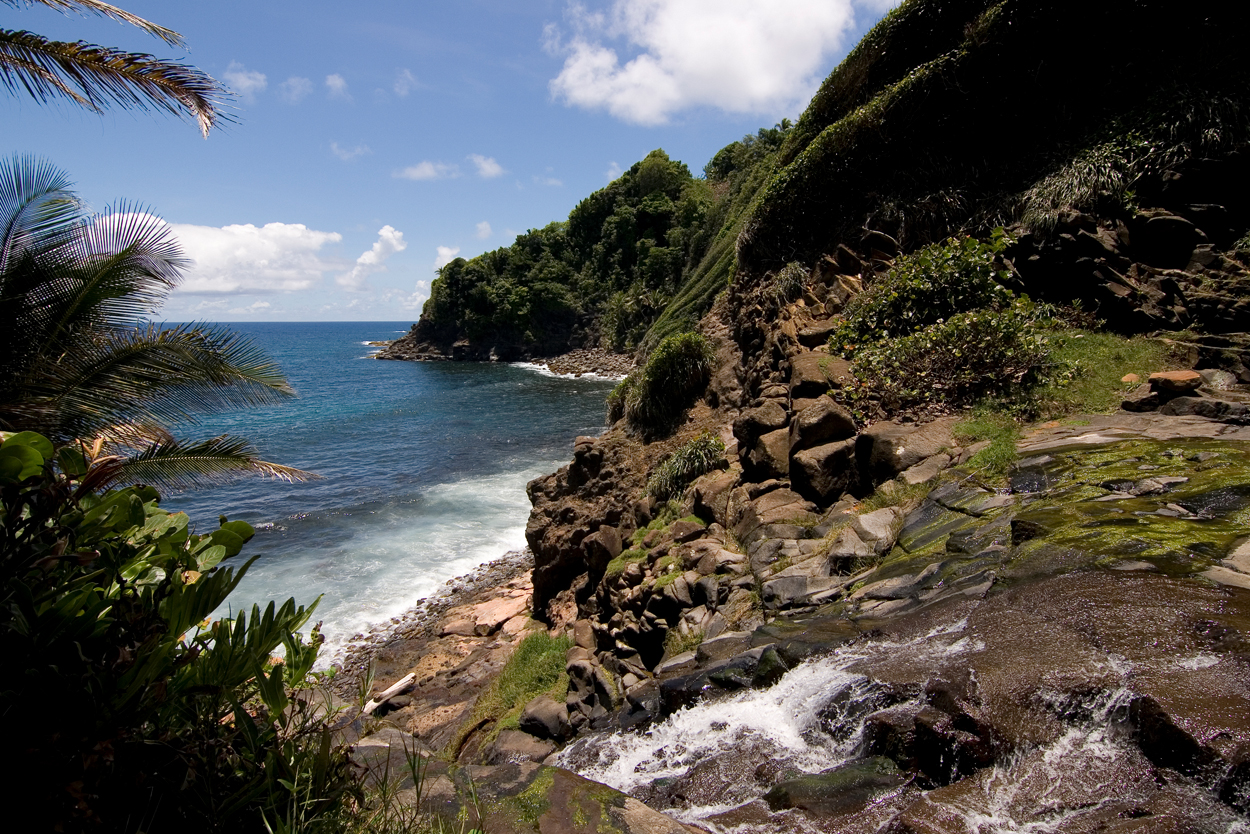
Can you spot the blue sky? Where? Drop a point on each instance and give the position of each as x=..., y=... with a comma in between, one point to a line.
x=375, y=140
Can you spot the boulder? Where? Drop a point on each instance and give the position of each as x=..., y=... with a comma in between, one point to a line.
x=546, y=718
x=839, y=789
x=879, y=529
x=825, y=472
x=813, y=373
x=602, y=547
x=711, y=495
x=1166, y=240
x=514, y=746
x=759, y=421
x=770, y=457
x=1176, y=381
x=821, y=422
x=886, y=449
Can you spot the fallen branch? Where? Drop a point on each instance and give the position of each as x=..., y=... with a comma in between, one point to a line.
x=404, y=682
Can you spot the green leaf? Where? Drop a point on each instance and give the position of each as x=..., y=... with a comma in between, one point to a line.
x=241, y=529
x=19, y=462
x=36, y=441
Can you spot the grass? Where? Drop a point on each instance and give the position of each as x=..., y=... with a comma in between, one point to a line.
x=692, y=460
x=676, y=643
x=1091, y=366
x=1244, y=243
x=1001, y=430
x=628, y=557
x=535, y=668
x=896, y=493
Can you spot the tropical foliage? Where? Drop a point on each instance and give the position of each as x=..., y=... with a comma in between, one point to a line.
x=654, y=398
x=78, y=363
x=129, y=707
x=694, y=458
x=96, y=76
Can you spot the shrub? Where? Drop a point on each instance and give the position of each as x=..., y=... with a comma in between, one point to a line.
x=698, y=457
x=153, y=716
x=924, y=288
x=536, y=667
x=957, y=361
x=788, y=283
x=655, y=397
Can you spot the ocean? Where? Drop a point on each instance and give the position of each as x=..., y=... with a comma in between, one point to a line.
x=423, y=466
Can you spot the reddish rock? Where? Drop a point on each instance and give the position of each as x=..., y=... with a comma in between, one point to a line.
x=1176, y=380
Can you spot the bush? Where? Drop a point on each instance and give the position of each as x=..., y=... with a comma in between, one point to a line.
x=924, y=288
x=971, y=355
x=150, y=716
x=698, y=457
x=654, y=398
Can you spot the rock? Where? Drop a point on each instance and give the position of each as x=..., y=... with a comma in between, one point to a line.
x=818, y=333
x=886, y=449
x=825, y=472
x=544, y=717
x=1218, y=380
x=602, y=547
x=1130, y=379
x=1166, y=240
x=770, y=457
x=677, y=664
x=515, y=747
x=1176, y=381
x=754, y=422
x=821, y=422
x=489, y=616
x=711, y=495
x=584, y=634
x=1211, y=409
x=1227, y=576
x=838, y=789
x=879, y=529
x=814, y=373
x=785, y=591
x=686, y=531
x=459, y=627
x=927, y=470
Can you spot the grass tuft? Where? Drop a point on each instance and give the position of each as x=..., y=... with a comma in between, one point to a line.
x=698, y=457
x=1001, y=430
x=535, y=668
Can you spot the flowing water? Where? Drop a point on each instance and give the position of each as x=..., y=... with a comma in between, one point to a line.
x=423, y=468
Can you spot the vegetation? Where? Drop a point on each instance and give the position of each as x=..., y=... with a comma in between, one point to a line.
x=632, y=556
x=1000, y=430
x=535, y=668
x=76, y=365
x=926, y=288
x=941, y=122
x=697, y=457
x=654, y=398
x=95, y=76
x=161, y=718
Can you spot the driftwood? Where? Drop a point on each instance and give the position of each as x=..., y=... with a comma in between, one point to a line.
x=390, y=692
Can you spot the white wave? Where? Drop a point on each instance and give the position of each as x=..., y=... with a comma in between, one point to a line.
x=542, y=370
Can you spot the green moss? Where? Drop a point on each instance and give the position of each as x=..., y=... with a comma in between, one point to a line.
x=531, y=803
x=628, y=557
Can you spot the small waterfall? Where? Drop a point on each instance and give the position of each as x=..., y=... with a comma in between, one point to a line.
x=724, y=755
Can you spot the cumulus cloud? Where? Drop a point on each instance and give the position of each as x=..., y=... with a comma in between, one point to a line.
x=552, y=181
x=252, y=309
x=247, y=83
x=337, y=85
x=390, y=241
x=276, y=257
x=426, y=170
x=348, y=154
x=446, y=254
x=294, y=89
x=405, y=83
x=483, y=230
x=487, y=167
x=613, y=171
x=644, y=60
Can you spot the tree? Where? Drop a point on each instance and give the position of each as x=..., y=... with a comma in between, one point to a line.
x=94, y=76
x=78, y=362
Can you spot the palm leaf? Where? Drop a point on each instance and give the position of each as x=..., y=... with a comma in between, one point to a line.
x=180, y=465
x=148, y=376
x=93, y=76
x=104, y=10
x=36, y=206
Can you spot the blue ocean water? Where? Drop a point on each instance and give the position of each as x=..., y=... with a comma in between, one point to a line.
x=423, y=468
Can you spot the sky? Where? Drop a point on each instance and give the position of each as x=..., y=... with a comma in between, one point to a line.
x=372, y=142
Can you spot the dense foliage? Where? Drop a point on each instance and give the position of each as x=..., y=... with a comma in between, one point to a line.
x=635, y=262
x=128, y=707
x=924, y=288
x=654, y=398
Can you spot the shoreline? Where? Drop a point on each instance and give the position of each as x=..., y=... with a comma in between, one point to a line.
x=488, y=580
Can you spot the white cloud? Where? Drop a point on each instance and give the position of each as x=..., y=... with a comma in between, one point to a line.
x=644, y=60
x=252, y=309
x=276, y=257
x=390, y=241
x=405, y=83
x=483, y=230
x=613, y=171
x=552, y=181
x=294, y=89
x=446, y=254
x=487, y=167
x=247, y=83
x=348, y=154
x=337, y=85
x=426, y=170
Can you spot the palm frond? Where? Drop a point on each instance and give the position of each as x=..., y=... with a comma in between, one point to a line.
x=146, y=375
x=92, y=76
x=181, y=465
x=36, y=206
x=169, y=36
